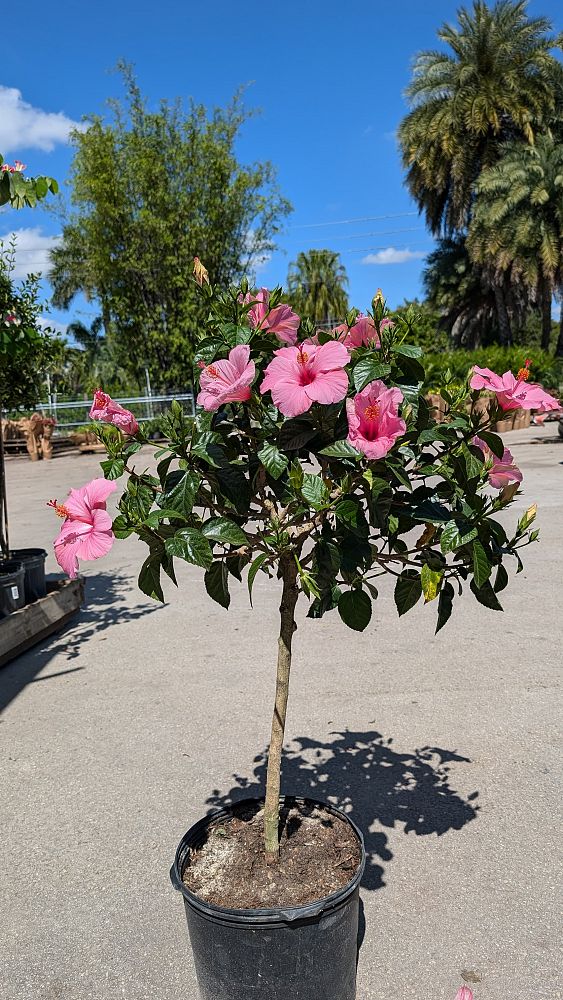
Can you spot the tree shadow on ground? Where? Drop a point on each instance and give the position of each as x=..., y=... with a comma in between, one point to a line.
x=376, y=785
x=105, y=605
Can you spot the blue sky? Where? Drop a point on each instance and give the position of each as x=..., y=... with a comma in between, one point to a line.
x=329, y=80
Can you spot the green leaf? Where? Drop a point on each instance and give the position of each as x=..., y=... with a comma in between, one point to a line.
x=367, y=370
x=486, y=596
x=481, y=565
x=232, y=480
x=473, y=464
x=149, y=578
x=156, y=516
x=113, y=468
x=354, y=607
x=190, y=544
x=454, y=536
x=221, y=529
x=340, y=449
x=495, y=443
x=208, y=349
x=377, y=486
x=252, y=571
x=407, y=350
x=430, y=580
x=350, y=512
x=445, y=602
x=431, y=512
x=501, y=580
x=273, y=460
x=408, y=590
x=326, y=602
x=120, y=527
x=180, y=490
x=296, y=433
x=216, y=581
x=314, y=491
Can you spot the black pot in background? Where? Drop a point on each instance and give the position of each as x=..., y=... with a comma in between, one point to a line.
x=307, y=951
x=12, y=592
x=34, y=564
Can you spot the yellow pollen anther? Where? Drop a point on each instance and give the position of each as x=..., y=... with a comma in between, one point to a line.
x=213, y=371
x=372, y=412
x=302, y=357
x=523, y=374
x=59, y=508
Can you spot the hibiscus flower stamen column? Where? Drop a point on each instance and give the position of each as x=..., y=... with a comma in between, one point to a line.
x=290, y=593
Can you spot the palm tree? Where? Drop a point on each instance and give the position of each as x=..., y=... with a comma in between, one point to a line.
x=316, y=283
x=517, y=223
x=91, y=339
x=495, y=82
x=466, y=296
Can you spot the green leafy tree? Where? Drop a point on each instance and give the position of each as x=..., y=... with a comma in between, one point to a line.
x=149, y=191
x=316, y=284
x=496, y=80
x=517, y=223
x=425, y=321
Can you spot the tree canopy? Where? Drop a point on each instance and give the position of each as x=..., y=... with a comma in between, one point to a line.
x=149, y=191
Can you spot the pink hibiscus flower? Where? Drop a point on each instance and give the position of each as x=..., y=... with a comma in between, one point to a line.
x=502, y=471
x=464, y=993
x=299, y=376
x=86, y=532
x=374, y=423
x=513, y=392
x=364, y=333
x=227, y=380
x=105, y=409
x=282, y=320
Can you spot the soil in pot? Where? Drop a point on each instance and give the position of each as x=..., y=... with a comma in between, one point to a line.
x=319, y=854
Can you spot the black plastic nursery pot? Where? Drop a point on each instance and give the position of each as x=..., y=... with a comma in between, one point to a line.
x=302, y=953
x=34, y=565
x=12, y=592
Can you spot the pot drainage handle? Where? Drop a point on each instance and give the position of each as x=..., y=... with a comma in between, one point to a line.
x=299, y=914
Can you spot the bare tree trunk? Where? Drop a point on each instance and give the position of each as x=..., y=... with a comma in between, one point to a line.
x=505, y=333
x=559, y=347
x=545, y=313
x=290, y=594
x=4, y=539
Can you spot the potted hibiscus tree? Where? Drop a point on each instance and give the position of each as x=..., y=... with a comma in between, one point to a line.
x=315, y=459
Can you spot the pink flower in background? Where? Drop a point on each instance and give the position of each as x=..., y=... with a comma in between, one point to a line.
x=105, y=408
x=282, y=320
x=19, y=167
x=373, y=419
x=300, y=376
x=503, y=470
x=227, y=380
x=512, y=392
x=464, y=993
x=364, y=333
x=86, y=532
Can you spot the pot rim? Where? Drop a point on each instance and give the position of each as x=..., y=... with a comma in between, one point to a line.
x=273, y=915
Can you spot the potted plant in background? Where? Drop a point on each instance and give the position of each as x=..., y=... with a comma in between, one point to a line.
x=314, y=459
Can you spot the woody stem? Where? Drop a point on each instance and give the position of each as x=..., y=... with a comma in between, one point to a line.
x=290, y=594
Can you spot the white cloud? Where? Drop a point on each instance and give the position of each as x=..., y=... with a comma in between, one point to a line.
x=24, y=127
x=258, y=256
x=392, y=256
x=32, y=250
x=53, y=324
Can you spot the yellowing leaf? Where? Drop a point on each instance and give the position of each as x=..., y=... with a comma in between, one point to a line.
x=430, y=580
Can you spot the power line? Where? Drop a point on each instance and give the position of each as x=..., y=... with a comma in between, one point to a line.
x=346, y=222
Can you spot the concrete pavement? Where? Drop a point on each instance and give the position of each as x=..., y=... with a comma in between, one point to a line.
x=123, y=730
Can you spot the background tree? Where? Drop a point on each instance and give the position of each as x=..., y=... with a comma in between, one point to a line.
x=316, y=284
x=518, y=219
x=466, y=296
x=496, y=81
x=149, y=191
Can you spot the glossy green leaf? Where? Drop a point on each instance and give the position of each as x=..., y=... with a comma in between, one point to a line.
x=221, y=529
x=273, y=460
x=216, y=583
x=408, y=590
x=354, y=607
x=191, y=545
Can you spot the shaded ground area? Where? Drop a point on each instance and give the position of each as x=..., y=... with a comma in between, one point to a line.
x=445, y=750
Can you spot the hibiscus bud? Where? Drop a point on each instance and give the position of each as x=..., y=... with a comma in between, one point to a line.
x=200, y=273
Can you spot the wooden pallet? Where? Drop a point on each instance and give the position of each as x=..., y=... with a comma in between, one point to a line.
x=34, y=622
